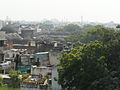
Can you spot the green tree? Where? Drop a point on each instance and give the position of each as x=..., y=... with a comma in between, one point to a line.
x=93, y=33
x=107, y=53
x=113, y=53
x=69, y=28
x=109, y=82
x=1, y=82
x=82, y=65
x=14, y=79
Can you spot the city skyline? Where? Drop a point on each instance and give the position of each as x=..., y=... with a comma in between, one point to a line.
x=63, y=10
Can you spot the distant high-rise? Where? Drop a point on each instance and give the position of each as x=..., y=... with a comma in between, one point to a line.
x=81, y=20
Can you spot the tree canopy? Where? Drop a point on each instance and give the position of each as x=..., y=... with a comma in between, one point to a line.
x=92, y=33
x=92, y=65
x=14, y=79
x=82, y=65
x=69, y=28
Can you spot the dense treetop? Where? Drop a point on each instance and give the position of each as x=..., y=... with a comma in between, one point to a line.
x=69, y=28
x=92, y=33
x=92, y=65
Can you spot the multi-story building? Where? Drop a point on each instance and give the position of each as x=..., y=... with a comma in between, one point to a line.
x=2, y=40
x=27, y=34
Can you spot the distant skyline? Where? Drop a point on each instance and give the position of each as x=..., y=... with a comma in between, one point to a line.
x=63, y=10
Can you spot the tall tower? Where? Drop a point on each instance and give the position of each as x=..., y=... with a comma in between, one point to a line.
x=7, y=20
x=81, y=20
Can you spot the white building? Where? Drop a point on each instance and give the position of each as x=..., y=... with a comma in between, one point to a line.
x=42, y=70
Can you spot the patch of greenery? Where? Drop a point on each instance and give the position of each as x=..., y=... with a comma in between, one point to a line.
x=5, y=88
x=94, y=64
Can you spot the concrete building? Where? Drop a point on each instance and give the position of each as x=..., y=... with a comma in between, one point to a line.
x=42, y=70
x=42, y=58
x=2, y=40
x=27, y=34
x=10, y=29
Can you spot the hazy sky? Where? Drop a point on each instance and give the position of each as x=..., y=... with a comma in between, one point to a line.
x=67, y=10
